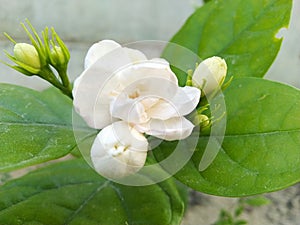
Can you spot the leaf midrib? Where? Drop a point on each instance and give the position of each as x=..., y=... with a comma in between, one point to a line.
x=45, y=190
x=85, y=202
x=265, y=133
x=73, y=215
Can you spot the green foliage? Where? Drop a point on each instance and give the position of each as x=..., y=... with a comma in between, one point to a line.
x=228, y=218
x=72, y=193
x=243, y=32
x=260, y=152
x=34, y=126
x=4, y=177
x=225, y=218
x=256, y=201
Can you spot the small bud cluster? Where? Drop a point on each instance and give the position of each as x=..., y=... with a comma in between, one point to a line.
x=209, y=77
x=41, y=57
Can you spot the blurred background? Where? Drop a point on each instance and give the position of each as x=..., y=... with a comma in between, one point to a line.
x=81, y=23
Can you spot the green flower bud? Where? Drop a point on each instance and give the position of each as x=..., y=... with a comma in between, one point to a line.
x=27, y=54
x=201, y=120
x=57, y=57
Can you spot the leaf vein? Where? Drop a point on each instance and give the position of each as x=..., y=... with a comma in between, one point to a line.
x=85, y=202
x=39, y=192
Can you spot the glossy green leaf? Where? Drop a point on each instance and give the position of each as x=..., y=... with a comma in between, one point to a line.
x=261, y=148
x=241, y=31
x=72, y=193
x=34, y=126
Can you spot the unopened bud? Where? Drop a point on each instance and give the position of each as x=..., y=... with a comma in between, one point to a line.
x=201, y=120
x=57, y=57
x=210, y=74
x=27, y=54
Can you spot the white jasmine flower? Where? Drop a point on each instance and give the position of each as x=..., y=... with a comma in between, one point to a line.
x=123, y=85
x=125, y=94
x=119, y=150
x=210, y=74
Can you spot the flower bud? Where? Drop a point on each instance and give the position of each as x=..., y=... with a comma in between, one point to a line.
x=202, y=120
x=210, y=74
x=57, y=57
x=27, y=54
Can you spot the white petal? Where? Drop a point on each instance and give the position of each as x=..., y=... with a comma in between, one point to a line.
x=146, y=70
x=183, y=103
x=163, y=110
x=153, y=97
x=98, y=50
x=186, y=99
x=92, y=89
x=210, y=74
x=149, y=102
x=118, y=151
x=134, y=101
x=176, y=128
x=135, y=55
x=165, y=64
x=129, y=110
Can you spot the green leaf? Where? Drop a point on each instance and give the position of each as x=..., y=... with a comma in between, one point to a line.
x=241, y=31
x=183, y=191
x=257, y=201
x=261, y=148
x=72, y=193
x=34, y=126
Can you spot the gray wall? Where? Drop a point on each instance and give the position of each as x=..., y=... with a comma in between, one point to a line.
x=286, y=67
x=80, y=23
x=89, y=20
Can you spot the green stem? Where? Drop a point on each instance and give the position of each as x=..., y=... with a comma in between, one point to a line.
x=67, y=92
x=49, y=76
x=65, y=79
